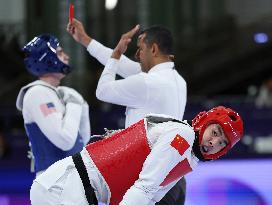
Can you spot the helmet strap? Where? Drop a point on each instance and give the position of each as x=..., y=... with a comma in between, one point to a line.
x=196, y=149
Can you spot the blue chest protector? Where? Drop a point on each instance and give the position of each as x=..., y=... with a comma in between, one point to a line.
x=45, y=152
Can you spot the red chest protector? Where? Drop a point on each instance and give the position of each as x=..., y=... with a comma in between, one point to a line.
x=120, y=158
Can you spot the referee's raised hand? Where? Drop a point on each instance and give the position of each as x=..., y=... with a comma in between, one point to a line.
x=76, y=29
x=124, y=41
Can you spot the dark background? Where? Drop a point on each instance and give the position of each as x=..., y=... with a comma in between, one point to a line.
x=223, y=49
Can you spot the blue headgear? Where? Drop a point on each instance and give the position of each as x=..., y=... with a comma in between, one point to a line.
x=41, y=56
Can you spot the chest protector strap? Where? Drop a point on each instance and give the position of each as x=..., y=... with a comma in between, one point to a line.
x=89, y=191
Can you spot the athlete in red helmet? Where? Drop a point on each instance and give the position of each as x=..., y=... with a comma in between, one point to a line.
x=140, y=164
x=229, y=124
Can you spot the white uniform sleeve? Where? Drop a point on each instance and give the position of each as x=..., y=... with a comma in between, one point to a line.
x=61, y=129
x=162, y=192
x=161, y=160
x=85, y=128
x=131, y=91
x=126, y=67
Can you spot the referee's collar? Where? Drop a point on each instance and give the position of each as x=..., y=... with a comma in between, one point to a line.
x=162, y=66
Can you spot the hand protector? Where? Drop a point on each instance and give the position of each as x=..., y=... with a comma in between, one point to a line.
x=69, y=95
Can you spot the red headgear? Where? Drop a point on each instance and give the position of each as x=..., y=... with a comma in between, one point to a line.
x=229, y=120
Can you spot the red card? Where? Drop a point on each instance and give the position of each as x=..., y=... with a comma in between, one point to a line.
x=71, y=12
x=180, y=144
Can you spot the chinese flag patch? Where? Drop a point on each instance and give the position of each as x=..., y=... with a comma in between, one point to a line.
x=180, y=144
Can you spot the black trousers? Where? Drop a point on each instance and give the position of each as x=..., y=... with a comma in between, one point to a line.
x=176, y=195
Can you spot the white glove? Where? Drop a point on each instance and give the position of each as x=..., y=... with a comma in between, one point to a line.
x=69, y=95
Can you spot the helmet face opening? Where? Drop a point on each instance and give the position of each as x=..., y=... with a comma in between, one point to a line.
x=41, y=57
x=229, y=120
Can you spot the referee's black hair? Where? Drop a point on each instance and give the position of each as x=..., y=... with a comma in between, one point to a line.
x=161, y=36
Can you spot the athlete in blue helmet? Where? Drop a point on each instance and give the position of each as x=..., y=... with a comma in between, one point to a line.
x=56, y=117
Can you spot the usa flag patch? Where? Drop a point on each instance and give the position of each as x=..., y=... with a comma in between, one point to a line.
x=48, y=108
x=180, y=144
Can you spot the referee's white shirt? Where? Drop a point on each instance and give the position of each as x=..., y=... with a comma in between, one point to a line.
x=162, y=90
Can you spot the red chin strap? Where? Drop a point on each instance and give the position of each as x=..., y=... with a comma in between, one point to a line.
x=229, y=120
